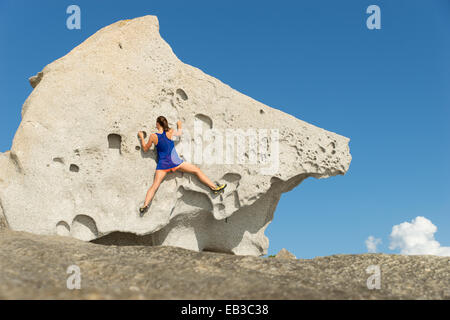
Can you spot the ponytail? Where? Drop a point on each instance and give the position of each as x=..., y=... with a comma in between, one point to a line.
x=163, y=123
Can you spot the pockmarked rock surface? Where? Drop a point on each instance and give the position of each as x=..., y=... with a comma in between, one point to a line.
x=35, y=267
x=76, y=168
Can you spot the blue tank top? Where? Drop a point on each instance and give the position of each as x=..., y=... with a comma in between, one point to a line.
x=167, y=154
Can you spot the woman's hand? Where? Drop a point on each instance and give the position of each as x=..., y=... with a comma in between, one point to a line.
x=178, y=132
x=141, y=135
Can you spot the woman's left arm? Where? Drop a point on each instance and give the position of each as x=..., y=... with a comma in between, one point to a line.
x=179, y=129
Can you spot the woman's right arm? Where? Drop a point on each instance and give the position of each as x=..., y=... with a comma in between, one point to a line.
x=148, y=145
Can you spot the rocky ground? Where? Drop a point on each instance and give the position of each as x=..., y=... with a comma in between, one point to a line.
x=35, y=267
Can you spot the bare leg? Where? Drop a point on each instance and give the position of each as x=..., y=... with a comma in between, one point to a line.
x=190, y=168
x=159, y=176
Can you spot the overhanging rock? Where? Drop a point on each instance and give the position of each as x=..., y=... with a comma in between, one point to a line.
x=75, y=167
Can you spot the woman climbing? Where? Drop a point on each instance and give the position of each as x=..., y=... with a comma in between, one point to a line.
x=168, y=159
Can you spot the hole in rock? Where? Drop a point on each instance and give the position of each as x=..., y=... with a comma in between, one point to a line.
x=62, y=229
x=84, y=228
x=261, y=111
x=182, y=94
x=58, y=160
x=115, y=142
x=220, y=206
x=232, y=177
x=205, y=119
x=138, y=148
x=145, y=134
x=74, y=168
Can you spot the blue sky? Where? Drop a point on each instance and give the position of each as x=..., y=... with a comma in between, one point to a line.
x=387, y=90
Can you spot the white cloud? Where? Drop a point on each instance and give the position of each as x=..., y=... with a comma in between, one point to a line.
x=417, y=237
x=372, y=243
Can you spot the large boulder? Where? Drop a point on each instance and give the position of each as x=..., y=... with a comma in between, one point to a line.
x=75, y=167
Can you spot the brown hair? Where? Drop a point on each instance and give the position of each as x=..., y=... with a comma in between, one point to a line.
x=163, y=123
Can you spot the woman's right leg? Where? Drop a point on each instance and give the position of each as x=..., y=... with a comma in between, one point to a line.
x=190, y=168
x=159, y=176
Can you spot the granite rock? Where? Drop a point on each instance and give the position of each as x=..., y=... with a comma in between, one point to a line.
x=76, y=168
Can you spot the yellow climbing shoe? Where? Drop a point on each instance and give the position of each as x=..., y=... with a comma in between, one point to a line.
x=219, y=188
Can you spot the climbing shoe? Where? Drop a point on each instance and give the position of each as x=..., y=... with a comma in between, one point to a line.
x=143, y=210
x=219, y=188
